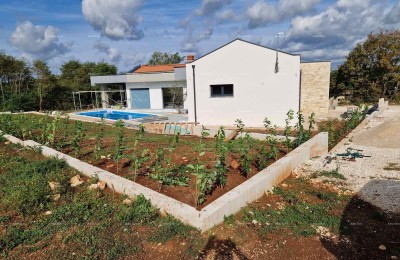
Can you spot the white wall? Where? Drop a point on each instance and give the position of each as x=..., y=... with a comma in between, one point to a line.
x=155, y=90
x=259, y=92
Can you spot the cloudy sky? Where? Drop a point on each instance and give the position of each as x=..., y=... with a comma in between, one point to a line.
x=127, y=32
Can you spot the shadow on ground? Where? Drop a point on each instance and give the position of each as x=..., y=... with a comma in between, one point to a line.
x=364, y=228
x=221, y=250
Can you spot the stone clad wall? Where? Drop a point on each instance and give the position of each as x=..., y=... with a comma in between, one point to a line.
x=315, y=80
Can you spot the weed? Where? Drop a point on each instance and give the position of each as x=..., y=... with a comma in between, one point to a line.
x=392, y=167
x=229, y=220
x=140, y=212
x=170, y=228
x=330, y=174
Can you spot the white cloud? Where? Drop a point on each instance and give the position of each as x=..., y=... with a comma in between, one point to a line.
x=210, y=7
x=116, y=19
x=135, y=59
x=393, y=17
x=262, y=13
x=113, y=54
x=332, y=33
x=37, y=41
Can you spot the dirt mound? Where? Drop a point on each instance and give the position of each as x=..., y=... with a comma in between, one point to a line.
x=386, y=135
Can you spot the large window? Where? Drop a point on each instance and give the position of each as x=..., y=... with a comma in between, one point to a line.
x=223, y=90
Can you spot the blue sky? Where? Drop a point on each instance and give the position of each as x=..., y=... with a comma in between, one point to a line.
x=127, y=32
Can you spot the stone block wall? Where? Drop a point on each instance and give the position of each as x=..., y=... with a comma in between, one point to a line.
x=314, y=89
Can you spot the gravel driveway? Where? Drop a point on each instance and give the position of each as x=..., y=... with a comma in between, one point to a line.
x=375, y=172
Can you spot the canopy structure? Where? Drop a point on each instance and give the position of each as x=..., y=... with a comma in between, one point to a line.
x=105, y=101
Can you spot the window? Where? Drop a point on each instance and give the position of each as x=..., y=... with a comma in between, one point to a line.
x=225, y=90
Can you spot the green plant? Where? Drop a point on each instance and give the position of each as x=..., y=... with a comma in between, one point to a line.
x=138, y=158
x=288, y=128
x=120, y=146
x=64, y=126
x=140, y=212
x=170, y=228
x=205, y=182
x=99, y=139
x=76, y=142
x=221, y=150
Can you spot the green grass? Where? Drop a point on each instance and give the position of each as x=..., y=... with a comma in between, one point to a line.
x=168, y=228
x=334, y=174
x=90, y=223
x=305, y=208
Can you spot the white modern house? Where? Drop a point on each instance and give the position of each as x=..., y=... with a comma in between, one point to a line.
x=240, y=80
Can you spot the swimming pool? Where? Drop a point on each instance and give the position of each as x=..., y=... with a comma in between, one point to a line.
x=114, y=114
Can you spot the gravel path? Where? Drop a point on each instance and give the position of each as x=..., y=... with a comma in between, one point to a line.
x=375, y=176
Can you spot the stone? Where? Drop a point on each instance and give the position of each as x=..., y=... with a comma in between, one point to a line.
x=6, y=143
x=394, y=257
x=382, y=247
x=54, y=185
x=47, y=213
x=76, y=181
x=103, y=157
x=284, y=185
x=110, y=166
x=56, y=197
x=255, y=222
x=235, y=164
x=127, y=202
x=101, y=185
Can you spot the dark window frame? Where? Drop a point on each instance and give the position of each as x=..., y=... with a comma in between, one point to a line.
x=222, y=86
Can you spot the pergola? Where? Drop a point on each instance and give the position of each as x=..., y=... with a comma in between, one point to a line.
x=104, y=98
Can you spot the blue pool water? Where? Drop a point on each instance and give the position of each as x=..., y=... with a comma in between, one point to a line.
x=114, y=115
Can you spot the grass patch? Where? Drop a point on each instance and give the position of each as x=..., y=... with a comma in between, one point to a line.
x=169, y=228
x=392, y=167
x=334, y=174
x=305, y=208
x=140, y=212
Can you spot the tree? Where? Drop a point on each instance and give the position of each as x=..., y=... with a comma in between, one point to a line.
x=159, y=58
x=371, y=70
x=178, y=97
x=45, y=80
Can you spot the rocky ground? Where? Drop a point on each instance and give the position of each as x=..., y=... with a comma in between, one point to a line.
x=368, y=163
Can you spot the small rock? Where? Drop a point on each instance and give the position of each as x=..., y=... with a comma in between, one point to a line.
x=382, y=247
x=54, y=185
x=56, y=197
x=103, y=157
x=101, y=185
x=255, y=222
x=284, y=185
x=47, y=213
x=235, y=164
x=110, y=166
x=93, y=186
x=6, y=143
x=127, y=202
x=184, y=158
x=76, y=181
x=394, y=257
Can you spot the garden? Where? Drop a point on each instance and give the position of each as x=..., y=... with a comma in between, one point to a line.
x=193, y=170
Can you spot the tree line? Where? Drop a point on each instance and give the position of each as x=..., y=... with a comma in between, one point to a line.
x=371, y=70
x=33, y=86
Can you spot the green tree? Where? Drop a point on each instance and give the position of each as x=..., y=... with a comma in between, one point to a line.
x=371, y=70
x=45, y=80
x=159, y=58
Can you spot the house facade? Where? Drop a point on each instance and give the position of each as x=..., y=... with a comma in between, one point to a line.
x=240, y=80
